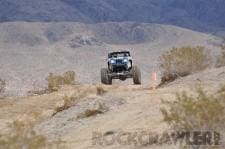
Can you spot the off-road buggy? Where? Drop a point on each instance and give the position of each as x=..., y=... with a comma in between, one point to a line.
x=120, y=66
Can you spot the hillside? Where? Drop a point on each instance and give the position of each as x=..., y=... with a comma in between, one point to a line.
x=30, y=51
x=123, y=109
x=206, y=16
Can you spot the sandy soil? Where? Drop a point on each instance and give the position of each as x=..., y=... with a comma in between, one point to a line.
x=127, y=108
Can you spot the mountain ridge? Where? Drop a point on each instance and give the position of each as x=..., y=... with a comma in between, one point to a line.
x=206, y=16
x=30, y=51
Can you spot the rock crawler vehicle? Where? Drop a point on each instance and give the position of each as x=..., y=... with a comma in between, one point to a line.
x=120, y=66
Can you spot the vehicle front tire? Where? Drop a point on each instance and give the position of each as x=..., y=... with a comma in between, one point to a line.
x=136, y=75
x=105, y=78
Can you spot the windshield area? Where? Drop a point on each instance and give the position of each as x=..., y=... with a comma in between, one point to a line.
x=115, y=55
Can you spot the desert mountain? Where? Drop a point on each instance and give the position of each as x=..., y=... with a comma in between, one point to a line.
x=201, y=15
x=30, y=51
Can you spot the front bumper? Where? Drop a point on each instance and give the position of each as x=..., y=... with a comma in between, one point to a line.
x=119, y=67
x=119, y=75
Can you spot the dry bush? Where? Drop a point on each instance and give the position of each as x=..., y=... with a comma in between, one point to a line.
x=102, y=108
x=36, y=89
x=2, y=86
x=69, y=77
x=67, y=103
x=55, y=81
x=92, y=112
x=221, y=60
x=204, y=112
x=38, y=92
x=222, y=89
x=100, y=90
x=183, y=61
x=22, y=137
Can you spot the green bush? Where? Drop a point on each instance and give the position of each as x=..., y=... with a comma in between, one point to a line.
x=183, y=61
x=55, y=81
x=202, y=112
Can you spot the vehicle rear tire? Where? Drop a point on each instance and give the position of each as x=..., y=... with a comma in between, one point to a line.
x=105, y=78
x=136, y=75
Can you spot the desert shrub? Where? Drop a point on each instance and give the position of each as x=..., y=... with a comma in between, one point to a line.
x=183, y=61
x=203, y=111
x=221, y=59
x=55, y=81
x=67, y=103
x=23, y=136
x=71, y=100
x=2, y=86
x=38, y=92
x=92, y=112
x=69, y=77
x=100, y=90
x=36, y=89
x=102, y=108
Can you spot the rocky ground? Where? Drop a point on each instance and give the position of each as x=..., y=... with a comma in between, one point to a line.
x=119, y=108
